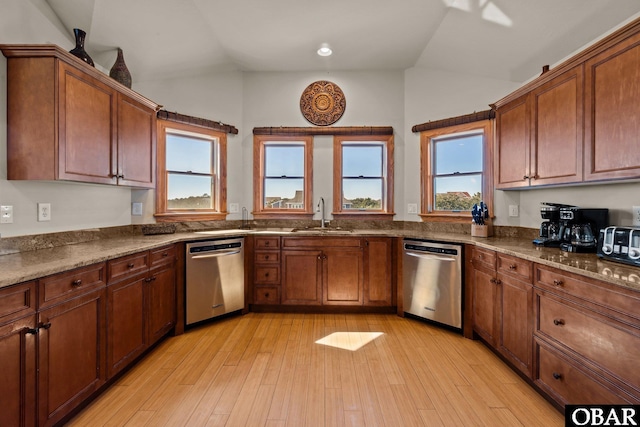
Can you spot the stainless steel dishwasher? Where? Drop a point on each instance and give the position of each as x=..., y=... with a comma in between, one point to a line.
x=214, y=278
x=432, y=281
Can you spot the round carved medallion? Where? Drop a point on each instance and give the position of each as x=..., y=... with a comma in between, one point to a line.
x=322, y=103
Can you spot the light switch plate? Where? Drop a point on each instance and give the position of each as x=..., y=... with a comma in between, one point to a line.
x=234, y=208
x=412, y=208
x=513, y=210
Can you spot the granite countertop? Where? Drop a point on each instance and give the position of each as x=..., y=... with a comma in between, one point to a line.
x=29, y=265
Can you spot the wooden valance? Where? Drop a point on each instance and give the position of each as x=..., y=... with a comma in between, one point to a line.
x=196, y=121
x=326, y=130
x=452, y=121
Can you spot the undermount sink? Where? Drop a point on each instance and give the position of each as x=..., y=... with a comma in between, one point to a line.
x=321, y=230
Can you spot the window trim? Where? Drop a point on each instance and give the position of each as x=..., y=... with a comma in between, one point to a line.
x=387, y=213
x=163, y=214
x=426, y=173
x=259, y=211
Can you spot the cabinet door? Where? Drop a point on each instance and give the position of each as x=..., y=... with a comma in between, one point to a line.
x=342, y=276
x=136, y=143
x=71, y=358
x=86, y=128
x=516, y=331
x=612, y=112
x=513, y=136
x=126, y=337
x=557, y=126
x=302, y=277
x=161, y=306
x=378, y=284
x=18, y=373
x=485, y=298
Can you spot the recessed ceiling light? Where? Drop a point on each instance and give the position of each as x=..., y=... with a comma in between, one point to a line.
x=324, y=50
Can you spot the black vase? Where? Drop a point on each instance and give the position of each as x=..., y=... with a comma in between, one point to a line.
x=119, y=72
x=79, y=49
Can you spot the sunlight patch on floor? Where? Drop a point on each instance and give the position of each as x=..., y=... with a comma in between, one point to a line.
x=349, y=340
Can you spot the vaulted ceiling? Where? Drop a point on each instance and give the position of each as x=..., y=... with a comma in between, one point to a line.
x=505, y=39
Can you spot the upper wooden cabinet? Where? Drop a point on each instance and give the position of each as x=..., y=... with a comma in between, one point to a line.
x=68, y=121
x=540, y=135
x=578, y=122
x=612, y=112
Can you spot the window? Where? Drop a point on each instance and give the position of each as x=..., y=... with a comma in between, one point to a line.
x=191, y=173
x=282, y=177
x=363, y=176
x=456, y=170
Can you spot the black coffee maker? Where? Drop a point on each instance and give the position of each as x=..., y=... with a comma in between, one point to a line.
x=580, y=228
x=550, y=229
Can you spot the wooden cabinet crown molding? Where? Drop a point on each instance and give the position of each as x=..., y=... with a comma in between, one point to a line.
x=579, y=58
x=54, y=51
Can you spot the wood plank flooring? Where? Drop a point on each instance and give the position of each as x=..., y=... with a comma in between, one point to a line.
x=265, y=369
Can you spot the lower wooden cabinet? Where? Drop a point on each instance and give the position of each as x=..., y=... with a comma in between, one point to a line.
x=71, y=354
x=378, y=272
x=127, y=326
x=485, y=300
x=516, y=325
x=161, y=307
x=342, y=276
x=324, y=271
x=18, y=335
x=302, y=277
x=141, y=304
x=569, y=382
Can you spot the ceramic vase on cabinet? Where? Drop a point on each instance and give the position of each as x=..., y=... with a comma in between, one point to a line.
x=79, y=49
x=119, y=72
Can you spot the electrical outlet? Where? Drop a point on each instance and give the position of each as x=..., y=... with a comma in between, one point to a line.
x=44, y=212
x=234, y=208
x=513, y=210
x=412, y=208
x=136, y=209
x=636, y=216
x=6, y=214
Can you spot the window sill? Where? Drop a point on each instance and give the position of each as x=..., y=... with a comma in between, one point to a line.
x=363, y=215
x=190, y=216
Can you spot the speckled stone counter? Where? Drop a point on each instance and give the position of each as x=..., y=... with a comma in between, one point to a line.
x=24, y=266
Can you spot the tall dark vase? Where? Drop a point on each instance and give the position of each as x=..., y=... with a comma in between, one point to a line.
x=119, y=72
x=79, y=49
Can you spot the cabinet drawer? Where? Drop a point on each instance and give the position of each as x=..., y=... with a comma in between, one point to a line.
x=570, y=384
x=164, y=255
x=483, y=257
x=267, y=274
x=267, y=242
x=59, y=287
x=602, y=294
x=128, y=266
x=611, y=345
x=17, y=301
x=515, y=267
x=266, y=295
x=264, y=257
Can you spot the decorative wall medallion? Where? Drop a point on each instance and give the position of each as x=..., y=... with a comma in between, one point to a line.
x=322, y=103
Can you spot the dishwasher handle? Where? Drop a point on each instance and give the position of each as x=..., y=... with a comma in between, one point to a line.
x=215, y=254
x=430, y=256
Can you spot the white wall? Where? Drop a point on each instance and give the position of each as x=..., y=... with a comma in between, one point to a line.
x=247, y=100
x=372, y=99
x=73, y=206
x=215, y=97
x=433, y=95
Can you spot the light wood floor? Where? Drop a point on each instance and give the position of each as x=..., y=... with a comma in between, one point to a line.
x=267, y=370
